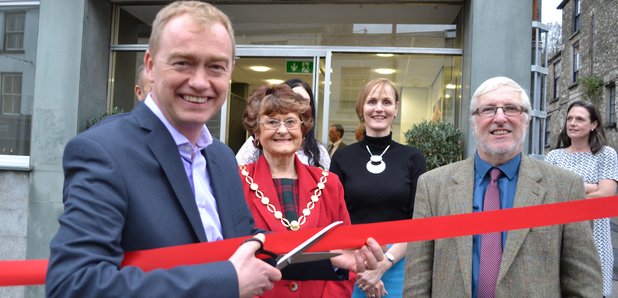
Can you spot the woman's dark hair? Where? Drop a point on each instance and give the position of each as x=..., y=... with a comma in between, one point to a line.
x=596, y=138
x=310, y=145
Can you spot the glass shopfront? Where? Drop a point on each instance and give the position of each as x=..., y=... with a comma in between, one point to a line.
x=336, y=48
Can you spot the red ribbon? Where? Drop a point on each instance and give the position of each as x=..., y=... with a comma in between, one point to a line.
x=22, y=273
x=32, y=272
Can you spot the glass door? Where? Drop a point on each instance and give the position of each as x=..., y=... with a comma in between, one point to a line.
x=429, y=88
x=252, y=72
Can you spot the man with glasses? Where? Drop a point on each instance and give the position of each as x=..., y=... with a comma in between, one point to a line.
x=551, y=261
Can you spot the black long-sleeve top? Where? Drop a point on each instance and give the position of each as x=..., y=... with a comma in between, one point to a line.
x=378, y=197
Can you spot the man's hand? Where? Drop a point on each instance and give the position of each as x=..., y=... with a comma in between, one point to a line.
x=254, y=275
x=364, y=258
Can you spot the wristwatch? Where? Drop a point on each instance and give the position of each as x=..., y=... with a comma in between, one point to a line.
x=389, y=256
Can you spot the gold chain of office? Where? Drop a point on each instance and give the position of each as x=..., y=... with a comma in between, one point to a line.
x=293, y=225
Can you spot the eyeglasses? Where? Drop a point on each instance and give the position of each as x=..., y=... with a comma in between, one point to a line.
x=274, y=124
x=490, y=111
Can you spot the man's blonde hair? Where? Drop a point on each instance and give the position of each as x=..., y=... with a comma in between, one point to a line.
x=202, y=13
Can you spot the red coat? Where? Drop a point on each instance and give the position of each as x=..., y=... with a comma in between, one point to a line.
x=330, y=207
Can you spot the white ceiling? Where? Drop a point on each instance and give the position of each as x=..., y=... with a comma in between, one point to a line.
x=327, y=12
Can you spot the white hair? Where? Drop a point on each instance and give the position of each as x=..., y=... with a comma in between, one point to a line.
x=493, y=84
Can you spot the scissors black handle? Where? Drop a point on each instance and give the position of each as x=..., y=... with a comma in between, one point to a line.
x=271, y=256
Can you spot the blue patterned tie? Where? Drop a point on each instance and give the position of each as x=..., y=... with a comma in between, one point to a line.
x=491, y=243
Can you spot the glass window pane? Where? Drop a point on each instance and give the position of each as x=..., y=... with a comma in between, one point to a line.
x=17, y=78
x=346, y=24
x=14, y=31
x=407, y=25
x=247, y=77
x=429, y=87
x=612, y=105
x=11, y=93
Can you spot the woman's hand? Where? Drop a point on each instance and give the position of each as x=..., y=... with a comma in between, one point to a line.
x=364, y=258
x=371, y=278
x=376, y=292
x=590, y=187
x=605, y=188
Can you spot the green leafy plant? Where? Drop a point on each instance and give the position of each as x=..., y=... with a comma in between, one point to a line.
x=441, y=142
x=592, y=88
x=95, y=120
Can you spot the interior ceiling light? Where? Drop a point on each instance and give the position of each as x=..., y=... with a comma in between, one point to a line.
x=259, y=68
x=384, y=71
x=384, y=55
x=274, y=81
x=450, y=86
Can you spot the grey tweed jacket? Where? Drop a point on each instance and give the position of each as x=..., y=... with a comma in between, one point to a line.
x=551, y=261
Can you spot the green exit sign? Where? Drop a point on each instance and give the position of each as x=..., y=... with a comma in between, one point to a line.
x=299, y=66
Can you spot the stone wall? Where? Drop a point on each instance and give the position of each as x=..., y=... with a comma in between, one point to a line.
x=13, y=221
x=597, y=40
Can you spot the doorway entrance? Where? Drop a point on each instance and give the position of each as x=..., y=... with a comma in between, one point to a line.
x=253, y=70
x=429, y=83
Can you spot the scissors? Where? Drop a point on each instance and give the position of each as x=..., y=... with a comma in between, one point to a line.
x=298, y=254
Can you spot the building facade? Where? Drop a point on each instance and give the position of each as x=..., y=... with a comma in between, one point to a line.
x=589, y=51
x=64, y=62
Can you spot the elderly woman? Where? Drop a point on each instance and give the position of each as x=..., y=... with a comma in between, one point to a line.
x=299, y=196
x=311, y=151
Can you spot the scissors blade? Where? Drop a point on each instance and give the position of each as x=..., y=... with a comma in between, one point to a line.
x=290, y=257
x=313, y=256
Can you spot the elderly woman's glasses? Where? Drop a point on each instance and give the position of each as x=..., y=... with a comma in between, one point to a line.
x=490, y=111
x=274, y=124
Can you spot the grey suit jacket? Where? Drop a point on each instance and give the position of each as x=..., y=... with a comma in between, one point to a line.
x=125, y=189
x=551, y=261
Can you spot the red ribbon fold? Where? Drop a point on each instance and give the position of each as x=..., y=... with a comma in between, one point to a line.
x=32, y=272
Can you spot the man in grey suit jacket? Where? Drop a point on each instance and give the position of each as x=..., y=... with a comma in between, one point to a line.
x=551, y=261
x=335, y=133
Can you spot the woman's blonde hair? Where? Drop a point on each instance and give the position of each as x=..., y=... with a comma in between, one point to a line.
x=362, y=97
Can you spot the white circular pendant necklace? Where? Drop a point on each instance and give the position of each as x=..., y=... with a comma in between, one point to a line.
x=376, y=165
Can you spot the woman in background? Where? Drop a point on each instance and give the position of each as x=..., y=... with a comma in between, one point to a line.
x=359, y=132
x=311, y=153
x=379, y=178
x=582, y=148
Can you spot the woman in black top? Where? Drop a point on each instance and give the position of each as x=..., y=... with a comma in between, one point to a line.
x=379, y=178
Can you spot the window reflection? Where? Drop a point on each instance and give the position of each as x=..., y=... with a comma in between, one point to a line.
x=423, y=77
x=18, y=33
x=429, y=86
